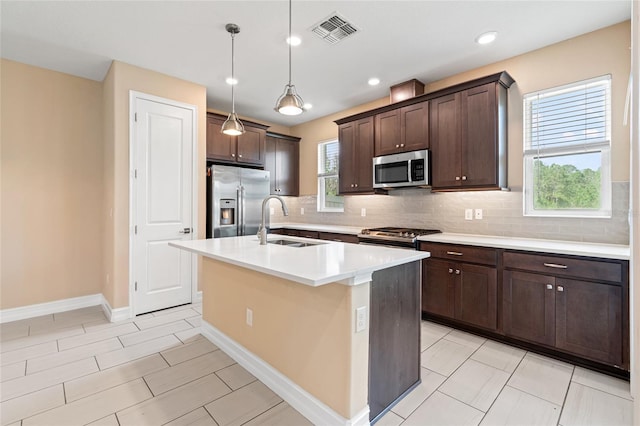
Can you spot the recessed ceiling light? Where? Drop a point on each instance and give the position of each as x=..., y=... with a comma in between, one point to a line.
x=294, y=40
x=307, y=106
x=486, y=38
x=231, y=81
x=374, y=81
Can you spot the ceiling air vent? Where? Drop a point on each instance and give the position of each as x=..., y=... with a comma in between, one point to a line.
x=334, y=28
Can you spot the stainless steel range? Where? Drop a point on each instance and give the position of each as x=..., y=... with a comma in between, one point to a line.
x=397, y=237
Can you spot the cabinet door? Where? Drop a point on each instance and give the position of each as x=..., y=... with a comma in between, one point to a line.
x=445, y=142
x=356, y=156
x=219, y=146
x=529, y=307
x=363, y=166
x=251, y=146
x=589, y=320
x=270, y=163
x=437, y=287
x=414, y=130
x=347, y=138
x=479, y=136
x=287, y=160
x=476, y=295
x=387, y=134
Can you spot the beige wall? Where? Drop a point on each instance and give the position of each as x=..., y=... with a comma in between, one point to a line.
x=598, y=53
x=306, y=333
x=51, y=185
x=121, y=79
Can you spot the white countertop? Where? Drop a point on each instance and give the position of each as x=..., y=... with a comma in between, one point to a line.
x=327, y=262
x=351, y=230
x=606, y=251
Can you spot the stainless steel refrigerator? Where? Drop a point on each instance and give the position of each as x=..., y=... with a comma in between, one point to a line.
x=234, y=200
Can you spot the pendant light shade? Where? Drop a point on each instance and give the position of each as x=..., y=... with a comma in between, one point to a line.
x=289, y=103
x=232, y=126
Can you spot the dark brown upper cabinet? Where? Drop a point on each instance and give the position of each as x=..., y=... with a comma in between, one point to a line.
x=282, y=161
x=246, y=149
x=402, y=130
x=468, y=137
x=356, y=156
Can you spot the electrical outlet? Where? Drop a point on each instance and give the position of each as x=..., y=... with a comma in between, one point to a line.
x=249, y=317
x=478, y=214
x=272, y=211
x=468, y=214
x=363, y=212
x=361, y=319
x=301, y=210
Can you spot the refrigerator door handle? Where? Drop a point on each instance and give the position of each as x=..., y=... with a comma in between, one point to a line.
x=240, y=231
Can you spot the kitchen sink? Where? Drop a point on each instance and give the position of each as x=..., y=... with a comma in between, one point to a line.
x=293, y=243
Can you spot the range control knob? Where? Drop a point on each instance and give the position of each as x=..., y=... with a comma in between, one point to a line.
x=412, y=235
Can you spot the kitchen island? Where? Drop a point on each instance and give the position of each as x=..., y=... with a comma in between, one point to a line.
x=333, y=328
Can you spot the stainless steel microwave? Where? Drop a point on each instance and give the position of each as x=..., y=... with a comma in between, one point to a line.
x=404, y=169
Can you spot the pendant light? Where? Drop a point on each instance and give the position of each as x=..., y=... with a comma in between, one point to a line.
x=232, y=126
x=290, y=103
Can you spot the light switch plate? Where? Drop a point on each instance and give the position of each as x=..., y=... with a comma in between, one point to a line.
x=361, y=319
x=301, y=210
x=363, y=212
x=478, y=214
x=249, y=317
x=468, y=214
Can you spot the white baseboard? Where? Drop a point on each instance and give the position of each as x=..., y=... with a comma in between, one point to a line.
x=309, y=406
x=117, y=314
x=197, y=297
x=23, y=312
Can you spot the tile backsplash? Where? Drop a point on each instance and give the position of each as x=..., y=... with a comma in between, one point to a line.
x=502, y=215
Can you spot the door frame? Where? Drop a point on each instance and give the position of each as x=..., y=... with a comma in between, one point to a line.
x=133, y=196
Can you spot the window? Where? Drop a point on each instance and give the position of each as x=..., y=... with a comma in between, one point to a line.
x=567, y=143
x=328, y=160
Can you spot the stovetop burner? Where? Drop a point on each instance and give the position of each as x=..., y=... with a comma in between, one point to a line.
x=395, y=233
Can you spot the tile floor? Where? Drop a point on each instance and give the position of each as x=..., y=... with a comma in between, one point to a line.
x=77, y=368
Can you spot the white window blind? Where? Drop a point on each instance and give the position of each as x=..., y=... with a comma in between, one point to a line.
x=329, y=159
x=575, y=115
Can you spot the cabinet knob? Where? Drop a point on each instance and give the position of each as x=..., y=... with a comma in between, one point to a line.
x=397, y=146
x=560, y=288
x=463, y=177
x=549, y=286
x=355, y=184
x=401, y=145
x=450, y=271
x=240, y=155
x=457, y=271
x=233, y=155
x=457, y=177
x=352, y=185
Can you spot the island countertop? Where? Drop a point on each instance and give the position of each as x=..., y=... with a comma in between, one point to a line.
x=315, y=265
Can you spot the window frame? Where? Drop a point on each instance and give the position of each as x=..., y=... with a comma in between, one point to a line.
x=322, y=177
x=531, y=153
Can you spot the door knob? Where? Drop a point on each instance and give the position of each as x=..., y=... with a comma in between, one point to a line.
x=185, y=231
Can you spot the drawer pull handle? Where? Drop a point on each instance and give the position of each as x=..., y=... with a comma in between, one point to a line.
x=560, y=288
x=555, y=265
x=454, y=253
x=549, y=287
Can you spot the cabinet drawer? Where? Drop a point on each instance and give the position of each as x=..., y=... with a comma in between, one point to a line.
x=308, y=234
x=485, y=256
x=564, y=266
x=344, y=238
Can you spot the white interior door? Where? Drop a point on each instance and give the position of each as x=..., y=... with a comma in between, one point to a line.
x=163, y=139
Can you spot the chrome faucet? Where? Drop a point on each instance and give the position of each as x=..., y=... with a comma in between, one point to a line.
x=262, y=232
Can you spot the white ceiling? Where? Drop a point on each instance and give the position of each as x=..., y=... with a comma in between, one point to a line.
x=397, y=41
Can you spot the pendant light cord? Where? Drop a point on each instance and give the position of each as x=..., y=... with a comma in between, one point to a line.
x=233, y=76
x=289, y=42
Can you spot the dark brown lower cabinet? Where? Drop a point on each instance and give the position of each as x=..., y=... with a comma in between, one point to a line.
x=461, y=291
x=394, y=335
x=580, y=317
